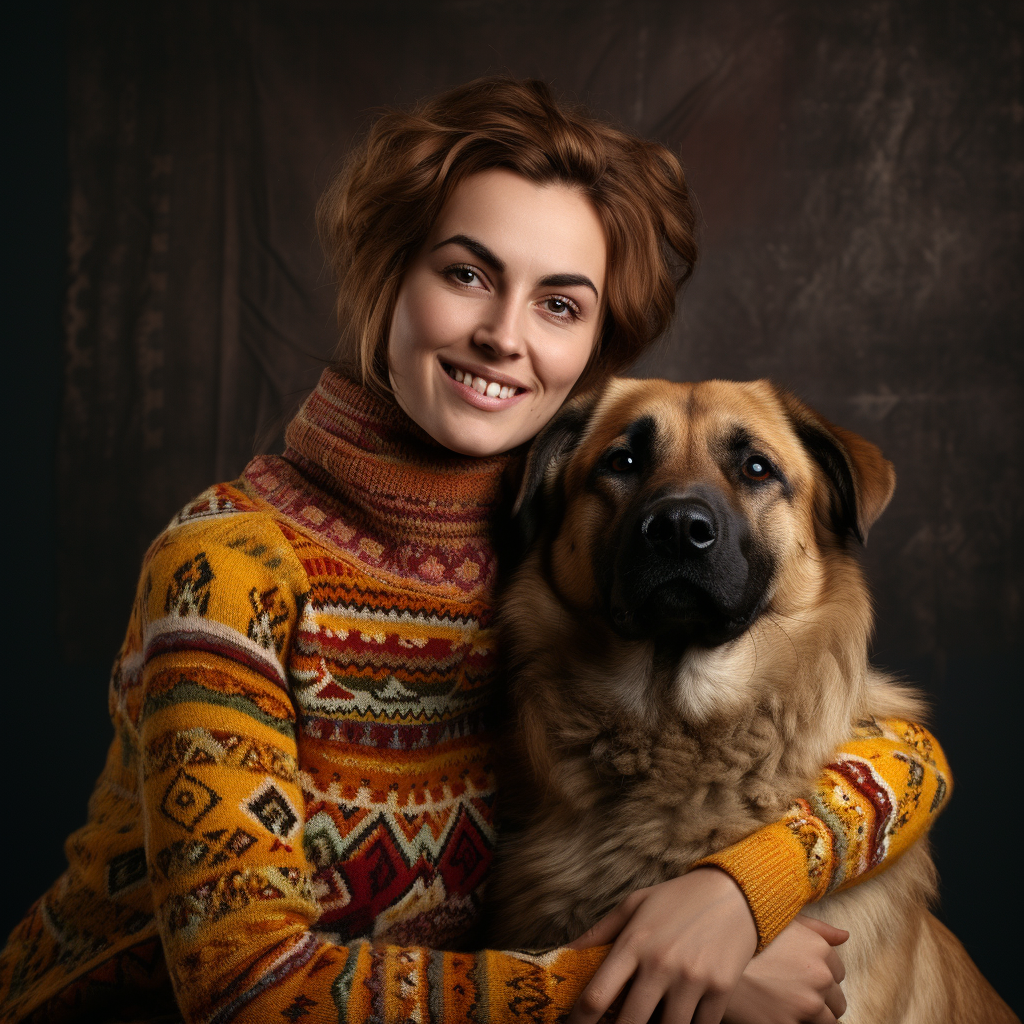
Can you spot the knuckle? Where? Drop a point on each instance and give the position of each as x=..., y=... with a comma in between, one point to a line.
x=636, y=942
x=809, y=1005
x=716, y=979
x=633, y=900
x=717, y=986
x=823, y=976
x=591, y=1000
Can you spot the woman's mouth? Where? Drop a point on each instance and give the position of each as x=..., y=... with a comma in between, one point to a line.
x=489, y=388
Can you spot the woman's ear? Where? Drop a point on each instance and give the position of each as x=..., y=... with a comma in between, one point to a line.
x=861, y=479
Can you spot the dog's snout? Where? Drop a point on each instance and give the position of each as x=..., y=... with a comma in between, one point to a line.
x=680, y=529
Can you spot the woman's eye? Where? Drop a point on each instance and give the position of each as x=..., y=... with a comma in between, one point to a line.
x=463, y=275
x=757, y=468
x=562, y=308
x=623, y=462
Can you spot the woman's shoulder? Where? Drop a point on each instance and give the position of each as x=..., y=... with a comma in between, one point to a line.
x=228, y=527
x=226, y=501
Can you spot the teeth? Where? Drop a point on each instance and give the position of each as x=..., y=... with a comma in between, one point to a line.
x=490, y=388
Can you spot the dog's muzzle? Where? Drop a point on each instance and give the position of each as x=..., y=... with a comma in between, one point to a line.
x=686, y=571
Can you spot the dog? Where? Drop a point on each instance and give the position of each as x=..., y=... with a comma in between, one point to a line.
x=686, y=636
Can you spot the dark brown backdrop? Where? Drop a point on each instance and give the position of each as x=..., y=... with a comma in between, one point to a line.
x=859, y=169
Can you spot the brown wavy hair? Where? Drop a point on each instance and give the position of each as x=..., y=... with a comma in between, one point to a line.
x=379, y=210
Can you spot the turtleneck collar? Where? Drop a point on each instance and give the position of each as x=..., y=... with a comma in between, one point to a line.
x=358, y=472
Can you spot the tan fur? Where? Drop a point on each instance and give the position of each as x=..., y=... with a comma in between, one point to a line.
x=625, y=768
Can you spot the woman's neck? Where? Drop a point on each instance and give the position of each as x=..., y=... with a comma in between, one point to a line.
x=364, y=450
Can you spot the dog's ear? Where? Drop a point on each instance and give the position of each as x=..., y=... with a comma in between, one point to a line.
x=551, y=446
x=861, y=478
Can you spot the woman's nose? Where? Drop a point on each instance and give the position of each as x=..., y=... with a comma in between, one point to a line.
x=500, y=333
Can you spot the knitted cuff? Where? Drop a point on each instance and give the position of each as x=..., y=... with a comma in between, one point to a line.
x=770, y=866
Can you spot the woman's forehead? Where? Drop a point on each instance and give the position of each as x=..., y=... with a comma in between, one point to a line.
x=545, y=229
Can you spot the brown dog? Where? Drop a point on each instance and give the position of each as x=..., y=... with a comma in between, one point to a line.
x=687, y=638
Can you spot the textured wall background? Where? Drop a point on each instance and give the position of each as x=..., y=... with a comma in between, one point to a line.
x=859, y=169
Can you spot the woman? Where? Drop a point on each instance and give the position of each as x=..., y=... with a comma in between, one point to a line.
x=302, y=759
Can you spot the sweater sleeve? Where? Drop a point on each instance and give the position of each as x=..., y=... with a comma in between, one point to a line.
x=222, y=810
x=877, y=797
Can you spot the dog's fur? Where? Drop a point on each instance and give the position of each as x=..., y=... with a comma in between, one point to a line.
x=687, y=646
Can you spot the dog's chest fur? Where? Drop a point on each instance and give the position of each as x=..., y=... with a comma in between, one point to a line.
x=626, y=800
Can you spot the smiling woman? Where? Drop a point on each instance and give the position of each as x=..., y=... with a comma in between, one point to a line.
x=483, y=349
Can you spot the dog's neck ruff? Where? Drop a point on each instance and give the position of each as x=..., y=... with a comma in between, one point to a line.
x=359, y=474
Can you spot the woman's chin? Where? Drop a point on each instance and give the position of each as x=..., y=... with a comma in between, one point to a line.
x=478, y=436
x=476, y=446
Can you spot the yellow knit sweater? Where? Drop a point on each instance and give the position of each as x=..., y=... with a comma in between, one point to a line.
x=297, y=812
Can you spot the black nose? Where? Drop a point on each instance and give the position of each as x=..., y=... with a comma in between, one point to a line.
x=681, y=529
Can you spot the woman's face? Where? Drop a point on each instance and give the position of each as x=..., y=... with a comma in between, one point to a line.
x=497, y=315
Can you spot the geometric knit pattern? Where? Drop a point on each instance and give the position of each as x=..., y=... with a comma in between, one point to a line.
x=297, y=812
x=877, y=797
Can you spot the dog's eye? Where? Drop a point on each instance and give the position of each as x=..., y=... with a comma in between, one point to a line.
x=623, y=462
x=757, y=467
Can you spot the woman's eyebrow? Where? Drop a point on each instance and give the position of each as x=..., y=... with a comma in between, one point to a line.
x=494, y=261
x=567, y=280
x=478, y=249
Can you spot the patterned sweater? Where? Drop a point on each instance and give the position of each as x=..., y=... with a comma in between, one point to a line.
x=297, y=811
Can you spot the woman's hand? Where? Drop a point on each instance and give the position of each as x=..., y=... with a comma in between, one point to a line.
x=685, y=941
x=795, y=980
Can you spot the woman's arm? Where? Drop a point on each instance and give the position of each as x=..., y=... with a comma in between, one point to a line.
x=689, y=940
x=879, y=795
x=223, y=810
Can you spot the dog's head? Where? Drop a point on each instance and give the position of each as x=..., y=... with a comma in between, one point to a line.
x=681, y=511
